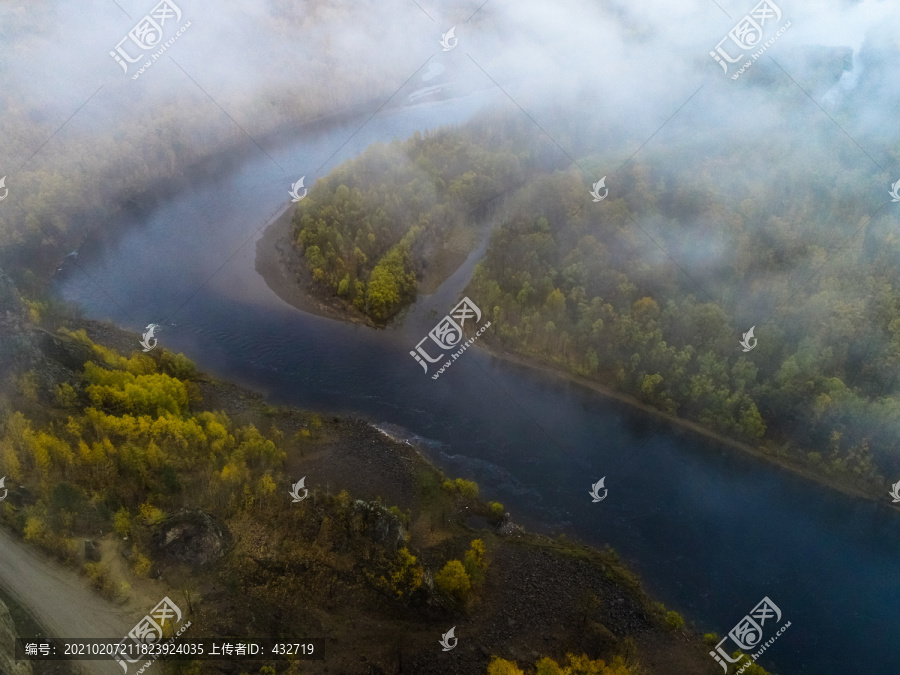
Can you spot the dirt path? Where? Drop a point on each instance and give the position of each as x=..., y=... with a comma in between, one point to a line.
x=60, y=600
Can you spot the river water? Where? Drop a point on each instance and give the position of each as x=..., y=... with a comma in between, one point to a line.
x=710, y=530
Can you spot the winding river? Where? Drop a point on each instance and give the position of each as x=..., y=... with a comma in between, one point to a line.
x=710, y=530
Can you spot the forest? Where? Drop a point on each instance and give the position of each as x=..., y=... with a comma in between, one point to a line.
x=650, y=291
x=369, y=229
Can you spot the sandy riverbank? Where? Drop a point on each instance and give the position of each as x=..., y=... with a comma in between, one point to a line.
x=280, y=264
x=282, y=267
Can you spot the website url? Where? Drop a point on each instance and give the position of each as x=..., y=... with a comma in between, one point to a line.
x=165, y=46
x=765, y=646
x=755, y=56
x=468, y=343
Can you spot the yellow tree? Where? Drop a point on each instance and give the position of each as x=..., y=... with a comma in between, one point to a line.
x=452, y=579
x=500, y=666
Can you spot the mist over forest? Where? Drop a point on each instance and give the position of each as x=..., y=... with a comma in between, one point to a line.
x=80, y=137
x=755, y=197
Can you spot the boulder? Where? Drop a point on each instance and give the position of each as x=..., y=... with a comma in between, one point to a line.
x=190, y=536
x=382, y=526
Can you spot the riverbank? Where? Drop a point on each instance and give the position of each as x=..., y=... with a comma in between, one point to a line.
x=596, y=605
x=513, y=614
x=281, y=265
x=759, y=452
x=283, y=270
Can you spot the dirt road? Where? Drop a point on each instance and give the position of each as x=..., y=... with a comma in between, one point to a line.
x=60, y=600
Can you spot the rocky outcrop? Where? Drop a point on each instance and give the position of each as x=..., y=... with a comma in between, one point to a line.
x=192, y=537
x=8, y=665
x=381, y=526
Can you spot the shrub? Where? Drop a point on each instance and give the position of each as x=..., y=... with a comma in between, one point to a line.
x=265, y=486
x=178, y=365
x=674, y=621
x=35, y=528
x=150, y=514
x=123, y=591
x=582, y=665
x=398, y=513
x=407, y=574
x=97, y=573
x=467, y=488
x=142, y=566
x=497, y=510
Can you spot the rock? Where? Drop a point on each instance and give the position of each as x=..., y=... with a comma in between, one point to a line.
x=598, y=637
x=382, y=526
x=8, y=665
x=190, y=536
x=91, y=551
x=508, y=528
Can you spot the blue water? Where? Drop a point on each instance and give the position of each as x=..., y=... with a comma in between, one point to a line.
x=710, y=530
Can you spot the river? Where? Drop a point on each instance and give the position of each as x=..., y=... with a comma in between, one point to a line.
x=710, y=530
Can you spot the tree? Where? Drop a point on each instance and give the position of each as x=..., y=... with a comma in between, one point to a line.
x=407, y=574
x=582, y=665
x=35, y=528
x=391, y=282
x=500, y=666
x=555, y=305
x=467, y=488
x=474, y=563
x=453, y=580
x=547, y=666
x=122, y=522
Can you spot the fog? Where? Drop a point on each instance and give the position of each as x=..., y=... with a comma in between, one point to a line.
x=791, y=158
x=622, y=66
x=612, y=84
